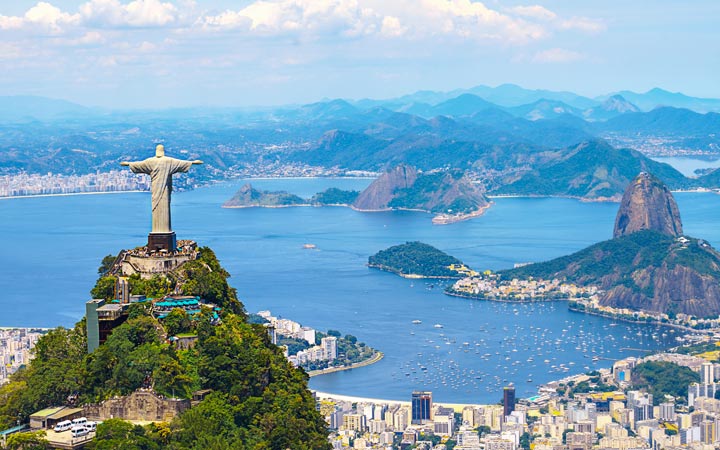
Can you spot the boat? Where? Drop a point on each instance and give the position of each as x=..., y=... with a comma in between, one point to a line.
x=437, y=325
x=417, y=322
x=309, y=246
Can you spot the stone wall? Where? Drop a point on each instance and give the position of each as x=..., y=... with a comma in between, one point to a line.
x=140, y=405
x=147, y=266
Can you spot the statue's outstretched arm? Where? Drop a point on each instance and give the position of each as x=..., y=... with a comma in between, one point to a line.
x=197, y=161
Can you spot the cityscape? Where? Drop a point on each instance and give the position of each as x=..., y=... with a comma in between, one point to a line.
x=359, y=225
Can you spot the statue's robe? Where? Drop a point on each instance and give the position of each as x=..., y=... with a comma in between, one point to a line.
x=161, y=170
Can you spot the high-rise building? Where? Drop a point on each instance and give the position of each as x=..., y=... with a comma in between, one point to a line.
x=421, y=406
x=329, y=344
x=508, y=400
x=707, y=373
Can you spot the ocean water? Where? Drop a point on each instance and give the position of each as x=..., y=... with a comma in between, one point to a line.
x=51, y=247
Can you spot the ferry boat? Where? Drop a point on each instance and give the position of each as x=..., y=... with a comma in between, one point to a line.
x=309, y=246
x=417, y=322
x=437, y=325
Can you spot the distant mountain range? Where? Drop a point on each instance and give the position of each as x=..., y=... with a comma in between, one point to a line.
x=514, y=140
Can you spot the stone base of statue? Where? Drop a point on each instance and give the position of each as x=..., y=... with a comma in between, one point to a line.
x=148, y=263
x=162, y=241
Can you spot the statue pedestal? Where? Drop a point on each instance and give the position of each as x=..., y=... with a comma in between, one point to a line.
x=162, y=241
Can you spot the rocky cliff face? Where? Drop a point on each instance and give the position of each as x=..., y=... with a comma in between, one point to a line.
x=647, y=205
x=679, y=286
x=448, y=193
x=380, y=193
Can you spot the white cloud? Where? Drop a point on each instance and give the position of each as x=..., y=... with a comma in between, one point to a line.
x=138, y=13
x=408, y=18
x=310, y=17
x=391, y=26
x=89, y=38
x=10, y=51
x=557, y=55
x=43, y=17
x=534, y=12
x=583, y=24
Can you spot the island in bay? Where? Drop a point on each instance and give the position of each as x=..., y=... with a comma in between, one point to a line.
x=419, y=260
x=448, y=194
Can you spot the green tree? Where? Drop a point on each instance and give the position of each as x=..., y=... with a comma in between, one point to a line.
x=104, y=288
x=177, y=322
x=106, y=264
x=116, y=434
x=56, y=371
x=525, y=440
x=662, y=378
x=157, y=286
x=32, y=440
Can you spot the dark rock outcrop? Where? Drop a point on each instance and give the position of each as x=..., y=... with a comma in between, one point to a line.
x=380, y=193
x=647, y=205
x=447, y=193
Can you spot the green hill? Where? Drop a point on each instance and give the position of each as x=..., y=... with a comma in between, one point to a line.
x=646, y=270
x=592, y=170
x=259, y=400
x=247, y=196
x=334, y=196
x=415, y=259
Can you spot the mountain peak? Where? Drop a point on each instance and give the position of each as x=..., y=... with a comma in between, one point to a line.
x=647, y=205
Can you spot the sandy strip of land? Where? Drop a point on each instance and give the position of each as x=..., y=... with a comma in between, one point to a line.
x=458, y=407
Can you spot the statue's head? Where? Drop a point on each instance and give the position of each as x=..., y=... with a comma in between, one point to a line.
x=159, y=151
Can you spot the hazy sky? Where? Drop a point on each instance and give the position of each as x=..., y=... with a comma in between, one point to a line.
x=144, y=53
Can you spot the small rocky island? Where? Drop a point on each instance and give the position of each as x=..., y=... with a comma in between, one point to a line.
x=249, y=197
x=649, y=265
x=448, y=194
x=418, y=260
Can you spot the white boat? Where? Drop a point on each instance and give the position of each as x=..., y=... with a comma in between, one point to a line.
x=417, y=322
x=437, y=325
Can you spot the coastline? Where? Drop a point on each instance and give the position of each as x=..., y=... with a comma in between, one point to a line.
x=457, y=407
x=413, y=276
x=375, y=358
x=651, y=322
x=540, y=300
x=446, y=219
x=69, y=194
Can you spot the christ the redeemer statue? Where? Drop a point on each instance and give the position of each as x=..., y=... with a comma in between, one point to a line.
x=161, y=169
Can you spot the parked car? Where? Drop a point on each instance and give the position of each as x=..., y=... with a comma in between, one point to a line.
x=79, y=431
x=63, y=426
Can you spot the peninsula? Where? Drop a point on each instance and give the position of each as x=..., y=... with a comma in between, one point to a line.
x=649, y=266
x=448, y=194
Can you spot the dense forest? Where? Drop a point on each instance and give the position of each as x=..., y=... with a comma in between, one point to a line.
x=415, y=258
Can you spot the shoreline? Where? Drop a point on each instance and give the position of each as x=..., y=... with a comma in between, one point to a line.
x=448, y=219
x=412, y=276
x=375, y=358
x=457, y=407
x=652, y=322
x=69, y=194
x=541, y=300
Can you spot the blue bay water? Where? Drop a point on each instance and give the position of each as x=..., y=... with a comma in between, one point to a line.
x=51, y=248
